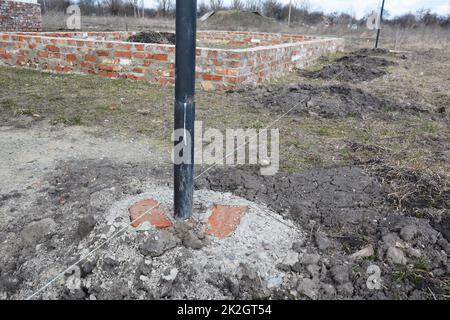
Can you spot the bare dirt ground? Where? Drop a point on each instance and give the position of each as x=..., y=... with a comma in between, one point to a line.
x=364, y=183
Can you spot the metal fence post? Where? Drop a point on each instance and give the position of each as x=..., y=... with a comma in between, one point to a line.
x=379, y=27
x=186, y=28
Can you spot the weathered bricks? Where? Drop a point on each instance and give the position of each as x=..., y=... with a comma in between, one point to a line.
x=20, y=16
x=105, y=54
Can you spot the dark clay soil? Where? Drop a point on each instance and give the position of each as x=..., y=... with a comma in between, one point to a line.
x=363, y=65
x=330, y=101
x=344, y=209
x=153, y=37
x=348, y=208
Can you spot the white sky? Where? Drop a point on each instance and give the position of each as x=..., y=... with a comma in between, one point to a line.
x=361, y=7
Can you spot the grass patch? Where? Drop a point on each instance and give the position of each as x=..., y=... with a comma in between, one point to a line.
x=68, y=121
x=417, y=270
x=133, y=108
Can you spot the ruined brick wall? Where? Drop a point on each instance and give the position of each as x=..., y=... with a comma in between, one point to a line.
x=217, y=69
x=20, y=16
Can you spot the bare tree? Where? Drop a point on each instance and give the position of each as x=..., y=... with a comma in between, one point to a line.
x=273, y=9
x=216, y=4
x=113, y=6
x=164, y=6
x=303, y=5
x=254, y=5
x=87, y=7
x=134, y=4
x=202, y=8
x=237, y=5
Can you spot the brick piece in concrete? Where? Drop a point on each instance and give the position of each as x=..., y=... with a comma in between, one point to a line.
x=152, y=211
x=224, y=220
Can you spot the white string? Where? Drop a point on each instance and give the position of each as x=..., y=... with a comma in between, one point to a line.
x=149, y=210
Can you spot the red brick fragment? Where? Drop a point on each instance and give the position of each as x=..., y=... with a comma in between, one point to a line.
x=149, y=210
x=224, y=220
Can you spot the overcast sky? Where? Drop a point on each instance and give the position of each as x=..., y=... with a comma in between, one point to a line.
x=361, y=7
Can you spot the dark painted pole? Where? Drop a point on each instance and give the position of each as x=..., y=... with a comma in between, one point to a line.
x=186, y=28
x=379, y=27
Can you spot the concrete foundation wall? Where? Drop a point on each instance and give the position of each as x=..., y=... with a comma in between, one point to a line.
x=20, y=16
x=104, y=54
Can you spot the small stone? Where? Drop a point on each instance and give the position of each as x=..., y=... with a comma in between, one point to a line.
x=190, y=240
x=133, y=187
x=340, y=274
x=87, y=267
x=143, y=278
x=145, y=226
x=412, y=252
x=314, y=270
x=102, y=199
x=8, y=284
x=322, y=241
x=327, y=290
x=308, y=258
x=109, y=264
x=144, y=268
x=346, y=289
x=308, y=288
x=36, y=232
x=408, y=232
x=390, y=240
x=396, y=256
x=444, y=245
x=290, y=259
x=363, y=253
x=171, y=275
x=73, y=283
x=85, y=226
x=297, y=246
x=275, y=282
x=158, y=243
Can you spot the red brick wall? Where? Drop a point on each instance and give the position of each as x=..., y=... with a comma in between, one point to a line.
x=217, y=69
x=19, y=16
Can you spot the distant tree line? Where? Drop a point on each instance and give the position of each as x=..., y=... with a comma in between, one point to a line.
x=301, y=11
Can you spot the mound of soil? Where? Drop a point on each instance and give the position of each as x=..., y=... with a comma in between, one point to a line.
x=238, y=20
x=153, y=37
x=337, y=197
x=358, y=66
x=331, y=101
x=343, y=224
x=352, y=227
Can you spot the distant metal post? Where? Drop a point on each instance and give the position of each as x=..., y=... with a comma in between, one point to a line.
x=186, y=28
x=379, y=27
x=290, y=12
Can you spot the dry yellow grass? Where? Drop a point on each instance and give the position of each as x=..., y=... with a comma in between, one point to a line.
x=395, y=38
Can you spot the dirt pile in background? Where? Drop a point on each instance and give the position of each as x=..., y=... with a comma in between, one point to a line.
x=153, y=37
x=362, y=65
x=330, y=101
